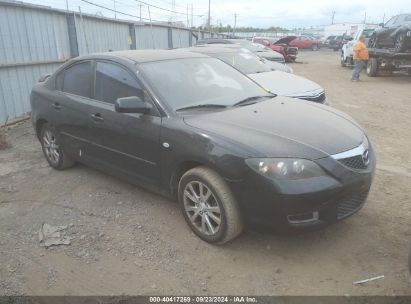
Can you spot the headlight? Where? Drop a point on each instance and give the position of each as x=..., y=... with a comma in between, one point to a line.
x=285, y=168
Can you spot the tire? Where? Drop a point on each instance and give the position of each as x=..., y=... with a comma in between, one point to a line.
x=314, y=47
x=399, y=44
x=372, y=43
x=52, y=151
x=342, y=60
x=219, y=206
x=409, y=71
x=372, y=67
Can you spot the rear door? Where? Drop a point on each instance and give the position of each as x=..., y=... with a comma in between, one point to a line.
x=124, y=142
x=71, y=106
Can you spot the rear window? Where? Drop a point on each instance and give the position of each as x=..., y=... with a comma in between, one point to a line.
x=77, y=79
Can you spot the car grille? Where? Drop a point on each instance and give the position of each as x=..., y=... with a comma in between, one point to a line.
x=354, y=162
x=292, y=50
x=349, y=206
x=318, y=98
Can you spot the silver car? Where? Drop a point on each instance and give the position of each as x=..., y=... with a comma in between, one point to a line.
x=275, y=81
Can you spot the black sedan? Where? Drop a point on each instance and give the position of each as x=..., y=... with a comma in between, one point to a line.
x=396, y=33
x=194, y=128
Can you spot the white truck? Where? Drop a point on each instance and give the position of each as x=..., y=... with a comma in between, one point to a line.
x=347, y=49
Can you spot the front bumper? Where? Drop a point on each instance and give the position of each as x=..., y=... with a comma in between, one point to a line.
x=305, y=203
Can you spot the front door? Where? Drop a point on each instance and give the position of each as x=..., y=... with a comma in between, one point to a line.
x=126, y=143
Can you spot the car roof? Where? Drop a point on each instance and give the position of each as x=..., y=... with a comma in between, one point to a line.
x=141, y=56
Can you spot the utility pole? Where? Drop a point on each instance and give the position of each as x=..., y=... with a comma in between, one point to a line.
x=365, y=17
x=235, y=23
x=192, y=10
x=188, y=25
x=332, y=18
x=67, y=6
x=140, y=12
x=209, y=14
x=115, y=11
x=151, y=26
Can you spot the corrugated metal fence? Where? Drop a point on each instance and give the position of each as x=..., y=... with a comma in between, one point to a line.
x=35, y=40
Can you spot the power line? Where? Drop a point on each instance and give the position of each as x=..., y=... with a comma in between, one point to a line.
x=118, y=12
x=165, y=9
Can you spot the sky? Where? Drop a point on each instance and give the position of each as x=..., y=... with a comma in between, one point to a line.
x=254, y=13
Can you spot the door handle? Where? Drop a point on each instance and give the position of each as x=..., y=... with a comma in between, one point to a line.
x=56, y=106
x=97, y=117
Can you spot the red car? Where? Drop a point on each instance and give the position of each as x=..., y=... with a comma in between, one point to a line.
x=306, y=42
x=279, y=45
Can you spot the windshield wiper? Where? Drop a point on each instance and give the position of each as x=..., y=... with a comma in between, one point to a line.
x=207, y=105
x=250, y=100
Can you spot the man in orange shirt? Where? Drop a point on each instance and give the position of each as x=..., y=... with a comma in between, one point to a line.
x=360, y=58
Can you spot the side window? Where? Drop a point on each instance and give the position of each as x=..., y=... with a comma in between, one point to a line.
x=77, y=79
x=59, y=81
x=112, y=82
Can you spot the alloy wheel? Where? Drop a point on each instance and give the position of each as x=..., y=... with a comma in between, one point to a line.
x=399, y=42
x=202, y=208
x=51, y=148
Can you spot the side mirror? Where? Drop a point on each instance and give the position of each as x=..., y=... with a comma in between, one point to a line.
x=132, y=104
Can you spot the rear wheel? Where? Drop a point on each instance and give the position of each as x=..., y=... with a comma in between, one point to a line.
x=314, y=47
x=372, y=67
x=52, y=149
x=400, y=42
x=209, y=206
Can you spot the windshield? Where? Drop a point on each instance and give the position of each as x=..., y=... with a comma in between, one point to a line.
x=246, y=63
x=251, y=46
x=368, y=33
x=198, y=81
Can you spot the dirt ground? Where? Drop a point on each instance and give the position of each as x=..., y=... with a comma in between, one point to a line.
x=126, y=240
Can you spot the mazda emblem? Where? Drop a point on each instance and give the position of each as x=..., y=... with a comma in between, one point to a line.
x=366, y=157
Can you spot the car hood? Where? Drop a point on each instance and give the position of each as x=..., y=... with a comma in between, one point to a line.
x=285, y=40
x=266, y=54
x=286, y=84
x=282, y=127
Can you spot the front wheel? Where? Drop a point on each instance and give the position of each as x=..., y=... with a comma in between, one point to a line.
x=399, y=44
x=52, y=149
x=372, y=67
x=343, y=61
x=209, y=206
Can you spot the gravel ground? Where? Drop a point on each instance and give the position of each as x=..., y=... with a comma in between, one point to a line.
x=126, y=240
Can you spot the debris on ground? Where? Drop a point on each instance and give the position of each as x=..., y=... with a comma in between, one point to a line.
x=53, y=235
x=4, y=144
x=368, y=280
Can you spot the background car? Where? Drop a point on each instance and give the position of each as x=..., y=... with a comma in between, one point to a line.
x=396, y=33
x=277, y=82
x=259, y=49
x=272, y=65
x=280, y=46
x=337, y=43
x=306, y=42
x=197, y=130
